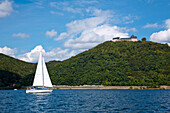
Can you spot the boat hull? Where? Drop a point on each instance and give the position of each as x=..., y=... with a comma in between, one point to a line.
x=39, y=91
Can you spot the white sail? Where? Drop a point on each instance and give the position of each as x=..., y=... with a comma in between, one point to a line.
x=47, y=81
x=38, y=79
x=41, y=76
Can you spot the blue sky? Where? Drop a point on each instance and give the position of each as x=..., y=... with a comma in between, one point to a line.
x=64, y=28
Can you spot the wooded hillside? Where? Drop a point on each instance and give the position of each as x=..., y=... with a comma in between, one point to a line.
x=116, y=63
x=109, y=63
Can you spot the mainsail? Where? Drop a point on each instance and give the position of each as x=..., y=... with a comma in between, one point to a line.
x=41, y=76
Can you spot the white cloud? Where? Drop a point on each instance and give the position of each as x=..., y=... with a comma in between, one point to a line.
x=162, y=36
x=167, y=23
x=91, y=37
x=31, y=56
x=150, y=25
x=61, y=36
x=51, y=33
x=21, y=35
x=54, y=54
x=5, y=8
x=78, y=26
x=58, y=54
x=8, y=51
x=87, y=33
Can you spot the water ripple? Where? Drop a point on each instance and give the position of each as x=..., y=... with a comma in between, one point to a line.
x=93, y=101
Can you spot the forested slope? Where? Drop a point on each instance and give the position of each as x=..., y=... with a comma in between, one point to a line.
x=109, y=63
x=14, y=71
x=13, y=65
x=116, y=63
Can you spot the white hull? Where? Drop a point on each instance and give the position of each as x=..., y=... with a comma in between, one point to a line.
x=39, y=91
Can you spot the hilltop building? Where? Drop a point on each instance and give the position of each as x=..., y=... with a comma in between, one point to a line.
x=132, y=38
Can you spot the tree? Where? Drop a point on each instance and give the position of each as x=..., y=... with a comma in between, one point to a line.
x=143, y=39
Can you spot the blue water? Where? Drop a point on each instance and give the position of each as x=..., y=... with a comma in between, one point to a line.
x=85, y=101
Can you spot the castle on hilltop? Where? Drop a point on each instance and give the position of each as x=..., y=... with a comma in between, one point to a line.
x=132, y=38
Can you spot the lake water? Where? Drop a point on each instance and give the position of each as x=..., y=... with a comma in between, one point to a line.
x=85, y=101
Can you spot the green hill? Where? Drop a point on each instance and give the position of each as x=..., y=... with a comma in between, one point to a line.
x=13, y=65
x=109, y=63
x=13, y=70
x=116, y=63
x=16, y=71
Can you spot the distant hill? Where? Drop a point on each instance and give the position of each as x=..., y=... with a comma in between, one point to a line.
x=109, y=63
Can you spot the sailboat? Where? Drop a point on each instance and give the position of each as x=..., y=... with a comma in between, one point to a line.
x=42, y=82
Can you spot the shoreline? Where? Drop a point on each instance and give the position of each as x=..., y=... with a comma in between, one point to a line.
x=107, y=87
x=66, y=87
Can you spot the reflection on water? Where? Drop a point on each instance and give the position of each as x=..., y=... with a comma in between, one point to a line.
x=39, y=101
x=86, y=101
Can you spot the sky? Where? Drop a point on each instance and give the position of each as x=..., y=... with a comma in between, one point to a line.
x=64, y=28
